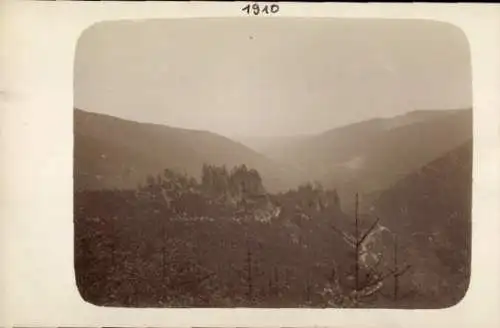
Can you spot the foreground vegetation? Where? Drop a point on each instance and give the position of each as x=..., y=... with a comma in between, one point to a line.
x=226, y=242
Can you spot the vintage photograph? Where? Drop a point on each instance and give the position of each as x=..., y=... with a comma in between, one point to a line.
x=273, y=163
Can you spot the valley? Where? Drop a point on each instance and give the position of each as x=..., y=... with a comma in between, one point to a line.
x=185, y=218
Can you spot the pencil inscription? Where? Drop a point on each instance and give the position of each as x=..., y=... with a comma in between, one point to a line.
x=256, y=9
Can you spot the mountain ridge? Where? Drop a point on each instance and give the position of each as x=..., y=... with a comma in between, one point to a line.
x=381, y=155
x=152, y=145
x=367, y=156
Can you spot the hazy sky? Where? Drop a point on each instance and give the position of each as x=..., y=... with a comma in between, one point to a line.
x=270, y=76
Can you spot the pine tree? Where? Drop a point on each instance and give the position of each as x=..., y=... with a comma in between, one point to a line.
x=368, y=279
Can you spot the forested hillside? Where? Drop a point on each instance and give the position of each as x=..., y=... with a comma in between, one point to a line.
x=114, y=153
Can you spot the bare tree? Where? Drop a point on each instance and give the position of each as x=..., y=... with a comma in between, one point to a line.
x=397, y=271
x=249, y=274
x=368, y=279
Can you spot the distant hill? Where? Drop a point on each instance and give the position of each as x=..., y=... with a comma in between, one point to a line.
x=279, y=147
x=371, y=155
x=431, y=211
x=365, y=157
x=114, y=153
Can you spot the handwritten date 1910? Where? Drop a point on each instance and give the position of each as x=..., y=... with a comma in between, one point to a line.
x=256, y=9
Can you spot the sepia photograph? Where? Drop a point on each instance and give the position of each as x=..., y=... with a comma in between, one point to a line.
x=273, y=163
